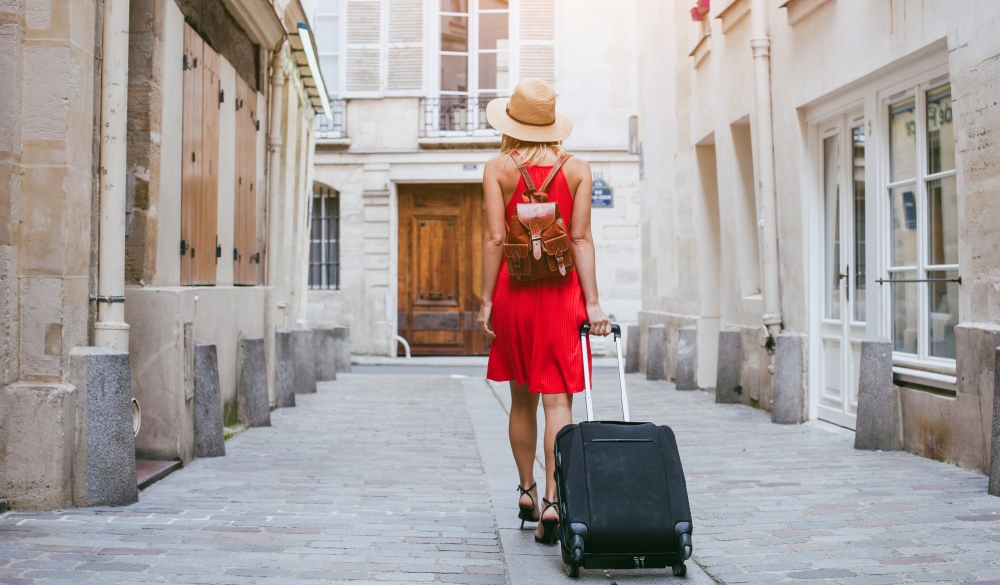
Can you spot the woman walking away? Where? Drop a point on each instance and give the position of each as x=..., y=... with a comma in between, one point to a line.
x=539, y=281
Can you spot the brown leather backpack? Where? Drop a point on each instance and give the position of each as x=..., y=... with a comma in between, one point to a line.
x=538, y=243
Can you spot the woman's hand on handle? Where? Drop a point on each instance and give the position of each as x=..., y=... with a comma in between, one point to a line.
x=486, y=320
x=599, y=322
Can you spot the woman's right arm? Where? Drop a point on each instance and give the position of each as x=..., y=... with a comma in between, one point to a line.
x=493, y=237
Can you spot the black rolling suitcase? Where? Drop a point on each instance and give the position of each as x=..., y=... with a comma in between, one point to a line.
x=623, y=502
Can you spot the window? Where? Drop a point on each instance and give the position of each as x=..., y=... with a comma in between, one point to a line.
x=327, y=32
x=474, y=60
x=923, y=216
x=324, y=242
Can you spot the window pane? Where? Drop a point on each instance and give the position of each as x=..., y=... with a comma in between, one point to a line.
x=455, y=33
x=903, y=140
x=942, y=221
x=940, y=131
x=858, y=184
x=454, y=5
x=493, y=72
x=943, y=314
x=493, y=31
x=327, y=39
x=904, y=226
x=454, y=73
x=328, y=66
x=831, y=221
x=494, y=4
x=904, y=313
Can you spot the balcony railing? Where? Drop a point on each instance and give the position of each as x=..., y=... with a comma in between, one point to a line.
x=331, y=129
x=455, y=115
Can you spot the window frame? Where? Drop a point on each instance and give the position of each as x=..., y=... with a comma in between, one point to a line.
x=475, y=106
x=329, y=215
x=916, y=87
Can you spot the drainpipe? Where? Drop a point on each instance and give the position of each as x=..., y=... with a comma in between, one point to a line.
x=111, y=331
x=767, y=222
x=274, y=161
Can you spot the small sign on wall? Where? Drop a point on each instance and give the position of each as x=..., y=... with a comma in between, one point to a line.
x=601, y=195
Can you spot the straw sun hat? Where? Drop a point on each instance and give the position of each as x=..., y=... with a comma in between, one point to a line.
x=529, y=114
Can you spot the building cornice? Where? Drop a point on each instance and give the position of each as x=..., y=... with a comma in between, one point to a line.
x=259, y=20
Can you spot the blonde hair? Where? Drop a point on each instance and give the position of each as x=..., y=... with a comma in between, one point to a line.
x=533, y=153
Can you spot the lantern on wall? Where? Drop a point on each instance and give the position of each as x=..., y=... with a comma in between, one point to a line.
x=700, y=10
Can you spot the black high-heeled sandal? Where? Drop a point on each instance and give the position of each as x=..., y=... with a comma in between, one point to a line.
x=550, y=534
x=526, y=513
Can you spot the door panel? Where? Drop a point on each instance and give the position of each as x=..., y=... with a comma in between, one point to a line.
x=440, y=243
x=842, y=196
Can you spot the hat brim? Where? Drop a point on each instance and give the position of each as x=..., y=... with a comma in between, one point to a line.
x=497, y=116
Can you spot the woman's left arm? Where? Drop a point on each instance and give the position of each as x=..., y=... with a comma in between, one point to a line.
x=583, y=252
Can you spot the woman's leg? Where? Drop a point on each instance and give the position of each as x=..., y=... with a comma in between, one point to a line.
x=523, y=430
x=558, y=413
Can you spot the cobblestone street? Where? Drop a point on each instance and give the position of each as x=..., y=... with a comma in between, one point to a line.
x=409, y=479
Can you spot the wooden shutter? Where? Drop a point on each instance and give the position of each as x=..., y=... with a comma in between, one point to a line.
x=538, y=40
x=363, y=57
x=405, y=60
x=208, y=211
x=245, y=259
x=191, y=131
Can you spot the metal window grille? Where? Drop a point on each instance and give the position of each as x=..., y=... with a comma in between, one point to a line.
x=455, y=115
x=332, y=129
x=324, y=241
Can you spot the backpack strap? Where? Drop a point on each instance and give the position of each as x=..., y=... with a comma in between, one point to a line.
x=524, y=171
x=555, y=169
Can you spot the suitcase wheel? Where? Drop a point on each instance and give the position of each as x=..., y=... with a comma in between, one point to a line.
x=573, y=570
x=680, y=569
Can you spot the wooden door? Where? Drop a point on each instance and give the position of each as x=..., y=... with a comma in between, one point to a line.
x=245, y=256
x=440, y=268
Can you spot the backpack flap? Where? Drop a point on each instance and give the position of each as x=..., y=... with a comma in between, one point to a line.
x=535, y=217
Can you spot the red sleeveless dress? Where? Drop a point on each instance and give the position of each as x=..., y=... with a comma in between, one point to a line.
x=537, y=322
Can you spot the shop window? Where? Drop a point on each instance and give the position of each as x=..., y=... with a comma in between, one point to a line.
x=324, y=241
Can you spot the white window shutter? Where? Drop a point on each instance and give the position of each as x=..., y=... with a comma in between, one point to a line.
x=405, y=60
x=538, y=40
x=364, y=47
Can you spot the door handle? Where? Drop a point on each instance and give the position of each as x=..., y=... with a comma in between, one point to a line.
x=847, y=274
x=435, y=295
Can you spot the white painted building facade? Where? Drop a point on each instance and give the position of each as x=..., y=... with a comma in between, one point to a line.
x=885, y=209
x=404, y=166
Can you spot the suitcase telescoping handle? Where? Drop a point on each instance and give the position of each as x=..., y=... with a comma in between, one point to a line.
x=617, y=331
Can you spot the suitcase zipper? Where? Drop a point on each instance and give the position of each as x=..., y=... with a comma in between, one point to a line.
x=621, y=440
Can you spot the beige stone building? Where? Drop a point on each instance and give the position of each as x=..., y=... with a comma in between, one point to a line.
x=397, y=215
x=155, y=182
x=824, y=169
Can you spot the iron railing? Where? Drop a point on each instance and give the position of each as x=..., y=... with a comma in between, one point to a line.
x=455, y=115
x=331, y=129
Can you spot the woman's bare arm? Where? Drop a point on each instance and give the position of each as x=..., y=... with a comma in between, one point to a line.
x=493, y=237
x=583, y=249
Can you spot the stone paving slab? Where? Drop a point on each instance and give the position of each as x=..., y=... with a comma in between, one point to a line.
x=374, y=479
x=798, y=504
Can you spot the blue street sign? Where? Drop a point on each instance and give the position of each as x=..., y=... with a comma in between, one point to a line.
x=602, y=195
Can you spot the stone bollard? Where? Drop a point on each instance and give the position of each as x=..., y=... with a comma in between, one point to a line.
x=209, y=436
x=994, y=487
x=284, y=367
x=788, y=400
x=656, y=366
x=878, y=425
x=304, y=361
x=327, y=347
x=342, y=333
x=632, y=349
x=687, y=358
x=728, y=380
x=252, y=407
x=104, y=461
